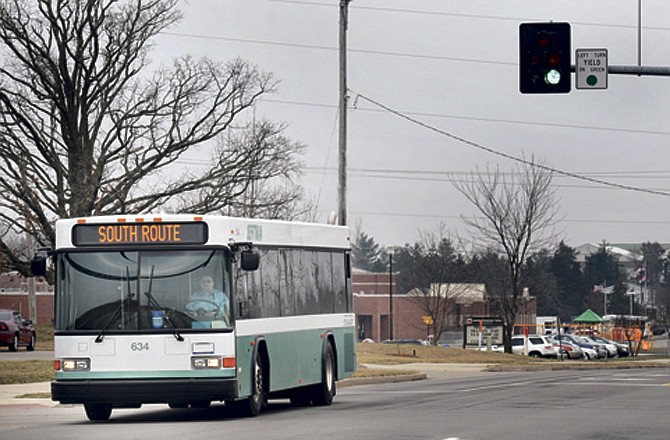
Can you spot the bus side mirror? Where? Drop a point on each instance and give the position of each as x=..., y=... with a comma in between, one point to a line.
x=38, y=266
x=250, y=259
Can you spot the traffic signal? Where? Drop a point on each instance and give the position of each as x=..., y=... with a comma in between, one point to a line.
x=544, y=58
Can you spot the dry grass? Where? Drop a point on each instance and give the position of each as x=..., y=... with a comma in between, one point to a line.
x=45, y=337
x=395, y=354
x=26, y=371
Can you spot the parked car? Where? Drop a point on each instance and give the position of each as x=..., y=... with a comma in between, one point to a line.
x=622, y=349
x=407, y=341
x=612, y=350
x=16, y=331
x=591, y=351
x=538, y=346
x=570, y=350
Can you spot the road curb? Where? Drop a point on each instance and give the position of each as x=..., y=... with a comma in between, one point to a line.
x=355, y=381
x=575, y=366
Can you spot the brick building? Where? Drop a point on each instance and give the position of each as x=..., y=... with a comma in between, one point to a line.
x=14, y=296
x=372, y=305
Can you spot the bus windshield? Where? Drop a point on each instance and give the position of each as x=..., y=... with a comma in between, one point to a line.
x=147, y=290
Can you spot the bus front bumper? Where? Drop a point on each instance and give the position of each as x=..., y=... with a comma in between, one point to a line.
x=135, y=392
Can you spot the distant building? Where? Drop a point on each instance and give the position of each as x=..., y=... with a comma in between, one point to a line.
x=14, y=295
x=372, y=305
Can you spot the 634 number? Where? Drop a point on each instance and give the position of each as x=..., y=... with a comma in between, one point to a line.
x=139, y=346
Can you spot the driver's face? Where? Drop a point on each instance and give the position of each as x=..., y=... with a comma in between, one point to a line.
x=207, y=284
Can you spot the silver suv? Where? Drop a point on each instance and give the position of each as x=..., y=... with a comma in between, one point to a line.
x=534, y=346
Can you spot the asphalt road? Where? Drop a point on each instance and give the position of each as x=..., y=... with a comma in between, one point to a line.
x=597, y=404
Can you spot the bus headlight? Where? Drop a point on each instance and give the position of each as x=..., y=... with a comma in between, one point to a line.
x=200, y=363
x=80, y=364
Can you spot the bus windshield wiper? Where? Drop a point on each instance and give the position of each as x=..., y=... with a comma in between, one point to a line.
x=117, y=312
x=153, y=303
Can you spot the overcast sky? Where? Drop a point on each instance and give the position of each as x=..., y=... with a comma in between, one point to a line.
x=453, y=66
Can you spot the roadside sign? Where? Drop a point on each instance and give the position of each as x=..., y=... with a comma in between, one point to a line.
x=591, y=68
x=476, y=328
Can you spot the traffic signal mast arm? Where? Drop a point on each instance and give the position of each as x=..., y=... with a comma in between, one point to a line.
x=635, y=70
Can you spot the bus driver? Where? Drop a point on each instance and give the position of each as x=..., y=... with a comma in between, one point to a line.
x=208, y=303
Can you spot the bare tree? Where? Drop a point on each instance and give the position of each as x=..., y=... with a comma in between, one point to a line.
x=266, y=187
x=431, y=270
x=516, y=210
x=85, y=130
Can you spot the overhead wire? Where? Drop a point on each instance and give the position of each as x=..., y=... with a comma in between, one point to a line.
x=507, y=156
x=355, y=6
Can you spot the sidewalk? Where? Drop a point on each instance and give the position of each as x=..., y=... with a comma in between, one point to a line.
x=9, y=394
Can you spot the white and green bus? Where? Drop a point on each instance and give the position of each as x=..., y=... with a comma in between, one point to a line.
x=134, y=323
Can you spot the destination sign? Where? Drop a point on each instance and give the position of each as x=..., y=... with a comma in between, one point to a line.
x=139, y=233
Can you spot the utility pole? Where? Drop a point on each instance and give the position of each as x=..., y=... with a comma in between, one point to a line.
x=391, y=296
x=342, y=156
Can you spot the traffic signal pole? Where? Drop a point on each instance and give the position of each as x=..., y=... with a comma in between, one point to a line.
x=545, y=50
x=635, y=70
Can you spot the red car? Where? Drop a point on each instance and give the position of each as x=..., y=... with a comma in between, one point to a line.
x=15, y=331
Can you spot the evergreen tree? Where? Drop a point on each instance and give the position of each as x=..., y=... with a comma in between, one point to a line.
x=603, y=268
x=367, y=255
x=541, y=283
x=568, y=276
x=428, y=272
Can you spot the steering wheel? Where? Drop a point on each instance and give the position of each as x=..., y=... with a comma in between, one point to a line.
x=201, y=313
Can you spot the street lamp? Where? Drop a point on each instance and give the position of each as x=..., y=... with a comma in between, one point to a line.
x=630, y=296
x=605, y=293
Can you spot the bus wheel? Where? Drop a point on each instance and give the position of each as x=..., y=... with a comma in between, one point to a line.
x=252, y=405
x=98, y=412
x=325, y=391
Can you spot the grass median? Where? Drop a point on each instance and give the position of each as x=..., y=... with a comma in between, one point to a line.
x=368, y=355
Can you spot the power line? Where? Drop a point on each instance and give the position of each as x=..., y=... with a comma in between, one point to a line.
x=333, y=49
x=372, y=172
x=505, y=155
x=464, y=15
x=458, y=217
x=477, y=118
x=414, y=176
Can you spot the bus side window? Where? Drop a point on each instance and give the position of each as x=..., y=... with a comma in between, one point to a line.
x=242, y=294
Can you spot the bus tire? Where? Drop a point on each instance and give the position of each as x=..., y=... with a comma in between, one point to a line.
x=98, y=412
x=325, y=391
x=252, y=405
